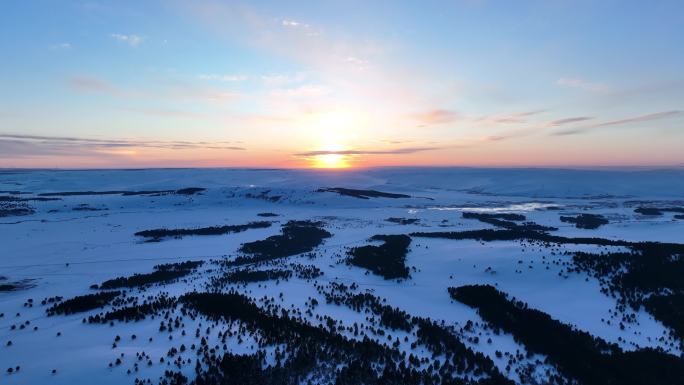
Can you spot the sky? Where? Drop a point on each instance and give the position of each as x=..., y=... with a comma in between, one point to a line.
x=341, y=84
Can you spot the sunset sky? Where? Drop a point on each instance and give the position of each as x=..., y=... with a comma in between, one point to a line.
x=341, y=83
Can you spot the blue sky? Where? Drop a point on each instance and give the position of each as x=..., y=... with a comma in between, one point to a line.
x=341, y=83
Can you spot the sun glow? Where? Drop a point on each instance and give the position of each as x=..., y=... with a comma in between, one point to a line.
x=330, y=161
x=334, y=128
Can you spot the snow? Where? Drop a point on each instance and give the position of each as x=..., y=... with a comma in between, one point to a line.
x=63, y=252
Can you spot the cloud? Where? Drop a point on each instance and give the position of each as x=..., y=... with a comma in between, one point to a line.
x=494, y=138
x=582, y=84
x=437, y=116
x=635, y=119
x=17, y=149
x=223, y=78
x=60, y=46
x=304, y=91
x=92, y=84
x=357, y=62
x=19, y=145
x=642, y=118
x=279, y=80
x=166, y=91
x=163, y=112
x=292, y=24
x=336, y=55
x=561, y=122
x=407, y=150
x=132, y=40
x=297, y=25
x=515, y=118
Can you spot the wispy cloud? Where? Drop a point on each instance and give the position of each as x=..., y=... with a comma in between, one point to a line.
x=164, y=113
x=60, y=46
x=279, y=80
x=334, y=57
x=298, y=25
x=494, y=138
x=357, y=62
x=583, y=84
x=560, y=122
x=436, y=116
x=630, y=120
x=444, y=116
x=39, y=145
x=304, y=91
x=223, y=78
x=514, y=118
x=642, y=118
x=92, y=84
x=406, y=150
x=160, y=91
x=132, y=40
x=292, y=23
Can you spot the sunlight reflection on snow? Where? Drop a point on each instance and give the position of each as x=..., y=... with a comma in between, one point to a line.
x=531, y=206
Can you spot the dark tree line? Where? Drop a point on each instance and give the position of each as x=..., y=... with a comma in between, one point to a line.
x=387, y=260
x=586, y=221
x=83, y=303
x=362, y=194
x=577, y=354
x=158, y=234
x=296, y=237
x=506, y=221
x=162, y=274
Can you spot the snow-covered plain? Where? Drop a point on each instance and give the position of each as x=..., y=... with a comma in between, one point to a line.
x=75, y=241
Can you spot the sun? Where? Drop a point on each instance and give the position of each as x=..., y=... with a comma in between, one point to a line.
x=330, y=161
x=329, y=158
x=333, y=131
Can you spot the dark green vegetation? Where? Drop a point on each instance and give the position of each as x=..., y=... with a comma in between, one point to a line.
x=264, y=195
x=649, y=269
x=317, y=350
x=183, y=191
x=15, y=212
x=296, y=237
x=657, y=211
x=586, y=221
x=306, y=272
x=161, y=274
x=649, y=276
x=679, y=216
x=158, y=234
x=83, y=303
x=403, y=221
x=489, y=235
x=668, y=309
x=362, y=194
x=507, y=221
x=86, y=207
x=131, y=310
x=6, y=198
x=390, y=317
x=13, y=286
x=577, y=354
x=439, y=339
x=387, y=260
x=246, y=275
x=12, y=209
x=190, y=190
